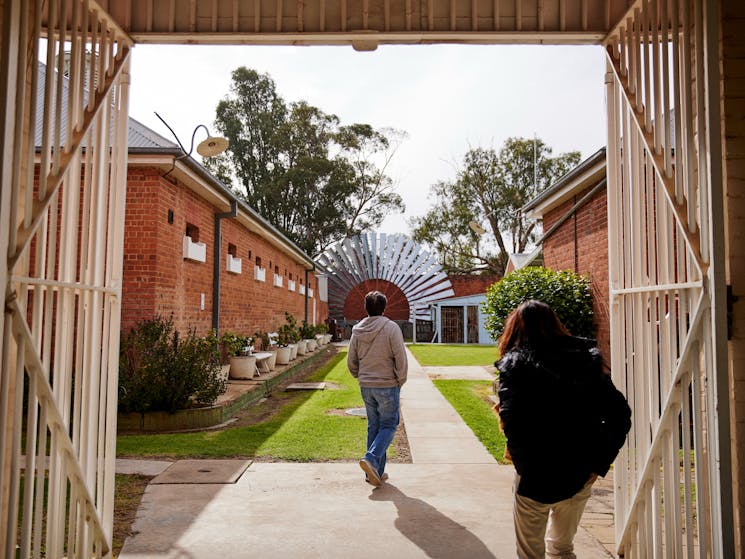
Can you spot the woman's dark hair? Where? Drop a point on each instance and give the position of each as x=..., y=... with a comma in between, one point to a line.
x=532, y=324
x=375, y=303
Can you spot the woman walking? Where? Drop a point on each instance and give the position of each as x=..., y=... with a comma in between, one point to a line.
x=564, y=422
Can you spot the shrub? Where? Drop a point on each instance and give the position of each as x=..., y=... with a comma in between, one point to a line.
x=307, y=331
x=566, y=292
x=160, y=370
x=289, y=333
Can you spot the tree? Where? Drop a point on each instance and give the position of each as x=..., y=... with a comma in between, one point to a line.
x=490, y=188
x=314, y=179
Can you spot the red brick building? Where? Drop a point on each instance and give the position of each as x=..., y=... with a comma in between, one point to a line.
x=575, y=224
x=195, y=251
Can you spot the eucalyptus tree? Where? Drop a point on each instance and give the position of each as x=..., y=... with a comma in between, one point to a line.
x=489, y=189
x=313, y=178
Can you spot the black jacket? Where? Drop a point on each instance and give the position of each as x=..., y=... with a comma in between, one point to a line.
x=563, y=418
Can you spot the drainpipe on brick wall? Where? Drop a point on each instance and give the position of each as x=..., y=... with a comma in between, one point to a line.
x=307, y=286
x=216, y=270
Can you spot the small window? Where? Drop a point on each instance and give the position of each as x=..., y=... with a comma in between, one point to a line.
x=232, y=250
x=193, y=232
x=258, y=261
x=276, y=270
x=249, y=254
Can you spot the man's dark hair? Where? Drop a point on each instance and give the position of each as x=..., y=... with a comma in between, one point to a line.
x=375, y=303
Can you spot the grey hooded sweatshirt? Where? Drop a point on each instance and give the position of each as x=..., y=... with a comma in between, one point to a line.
x=377, y=355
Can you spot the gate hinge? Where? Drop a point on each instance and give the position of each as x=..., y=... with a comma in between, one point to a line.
x=731, y=300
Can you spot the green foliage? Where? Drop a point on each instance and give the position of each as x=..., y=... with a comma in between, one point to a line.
x=469, y=398
x=566, y=292
x=159, y=370
x=302, y=430
x=288, y=333
x=322, y=328
x=307, y=331
x=444, y=355
x=489, y=189
x=314, y=179
x=264, y=337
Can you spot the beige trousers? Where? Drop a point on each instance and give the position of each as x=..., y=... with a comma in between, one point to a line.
x=534, y=539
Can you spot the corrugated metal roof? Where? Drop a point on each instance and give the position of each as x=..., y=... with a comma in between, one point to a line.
x=138, y=135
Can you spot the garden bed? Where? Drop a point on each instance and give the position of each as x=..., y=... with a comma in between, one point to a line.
x=239, y=395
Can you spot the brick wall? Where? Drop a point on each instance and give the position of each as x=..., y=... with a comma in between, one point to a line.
x=733, y=94
x=580, y=244
x=398, y=305
x=471, y=285
x=158, y=280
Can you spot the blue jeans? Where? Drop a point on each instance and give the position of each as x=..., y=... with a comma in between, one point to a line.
x=382, y=405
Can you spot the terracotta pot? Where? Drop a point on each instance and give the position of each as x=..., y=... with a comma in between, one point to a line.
x=242, y=367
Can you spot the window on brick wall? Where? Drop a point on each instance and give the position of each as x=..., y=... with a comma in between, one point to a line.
x=193, y=232
x=258, y=261
x=232, y=250
x=249, y=255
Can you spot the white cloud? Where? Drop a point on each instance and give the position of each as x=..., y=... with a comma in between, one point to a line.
x=446, y=97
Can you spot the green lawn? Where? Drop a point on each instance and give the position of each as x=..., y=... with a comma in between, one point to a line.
x=435, y=355
x=469, y=398
x=301, y=430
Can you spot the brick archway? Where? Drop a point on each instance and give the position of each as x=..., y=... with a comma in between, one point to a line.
x=398, y=305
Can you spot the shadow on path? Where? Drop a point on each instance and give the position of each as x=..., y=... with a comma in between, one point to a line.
x=434, y=533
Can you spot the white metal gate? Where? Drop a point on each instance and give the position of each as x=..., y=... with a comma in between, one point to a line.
x=61, y=230
x=673, y=495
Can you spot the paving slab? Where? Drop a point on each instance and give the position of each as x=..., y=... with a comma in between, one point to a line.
x=202, y=471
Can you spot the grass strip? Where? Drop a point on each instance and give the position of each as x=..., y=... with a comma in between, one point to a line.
x=301, y=429
x=444, y=355
x=470, y=400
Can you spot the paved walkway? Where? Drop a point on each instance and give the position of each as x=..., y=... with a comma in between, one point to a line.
x=453, y=501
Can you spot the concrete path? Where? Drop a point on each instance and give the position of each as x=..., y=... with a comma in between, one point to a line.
x=453, y=501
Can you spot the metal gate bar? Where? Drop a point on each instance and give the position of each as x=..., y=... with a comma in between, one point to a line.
x=664, y=279
x=62, y=239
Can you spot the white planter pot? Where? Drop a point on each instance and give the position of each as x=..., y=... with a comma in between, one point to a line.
x=284, y=355
x=293, y=351
x=311, y=345
x=302, y=347
x=327, y=337
x=243, y=367
x=272, y=361
x=224, y=371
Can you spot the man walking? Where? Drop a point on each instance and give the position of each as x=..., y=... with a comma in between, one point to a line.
x=377, y=359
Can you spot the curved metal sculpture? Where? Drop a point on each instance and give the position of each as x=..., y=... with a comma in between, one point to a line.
x=393, y=258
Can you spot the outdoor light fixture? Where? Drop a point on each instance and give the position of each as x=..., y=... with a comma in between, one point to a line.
x=213, y=145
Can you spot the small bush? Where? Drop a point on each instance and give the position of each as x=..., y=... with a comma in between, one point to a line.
x=159, y=370
x=566, y=292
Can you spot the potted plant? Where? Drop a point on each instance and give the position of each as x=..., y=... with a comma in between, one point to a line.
x=308, y=333
x=268, y=347
x=284, y=352
x=221, y=352
x=292, y=334
x=242, y=363
x=322, y=333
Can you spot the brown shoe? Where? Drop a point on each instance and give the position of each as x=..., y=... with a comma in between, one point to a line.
x=372, y=474
x=384, y=477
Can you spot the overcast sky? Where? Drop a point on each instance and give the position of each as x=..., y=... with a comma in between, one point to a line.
x=447, y=98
